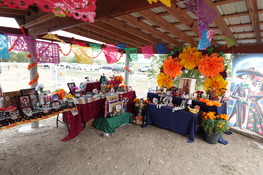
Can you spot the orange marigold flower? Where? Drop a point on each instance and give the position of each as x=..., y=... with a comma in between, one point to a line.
x=172, y=67
x=165, y=81
x=211, y=66
x=190, y=57
x=219, y=126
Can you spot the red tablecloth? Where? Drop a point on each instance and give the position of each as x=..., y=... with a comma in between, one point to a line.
x=91, y=86
x=89, y=111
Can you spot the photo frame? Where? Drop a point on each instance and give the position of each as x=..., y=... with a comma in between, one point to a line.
x=25, y=101
x=33, y=95
x=116, y=107
x=187, y=85
x=70, y=86
x=11, y=98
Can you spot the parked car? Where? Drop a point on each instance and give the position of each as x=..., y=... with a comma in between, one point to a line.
x=76, y=66
x=120, y=68
x=65, y=64
x=144, y=69
x=107, y=67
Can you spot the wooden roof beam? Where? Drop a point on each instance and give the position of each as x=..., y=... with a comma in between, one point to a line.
x=252, y=7
x=110, y=34
x=150, y=15
x=93, y=35
x=120, y=32
x=104, y=9
x=142, y=25
x=122, y=25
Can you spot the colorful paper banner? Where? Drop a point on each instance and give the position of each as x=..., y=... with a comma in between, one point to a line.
x=203, y=41
x=121, y=46
x=4, y=46
x=132, y=54
x=147, y=51
x=47, y=52
x=229, y=42
x=96, y=47
x=161, y=48
x=111, y=53
x=83, y=54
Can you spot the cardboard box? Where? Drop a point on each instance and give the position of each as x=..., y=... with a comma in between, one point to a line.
x=89, y=123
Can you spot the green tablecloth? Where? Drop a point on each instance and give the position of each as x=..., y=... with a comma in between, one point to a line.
x=108, y=124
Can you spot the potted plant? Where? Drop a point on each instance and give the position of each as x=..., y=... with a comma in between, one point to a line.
x=213, y=126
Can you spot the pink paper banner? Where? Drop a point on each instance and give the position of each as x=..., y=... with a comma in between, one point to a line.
x=78, y=9
x=47, y=52
x=147, y=51
x=111, y=53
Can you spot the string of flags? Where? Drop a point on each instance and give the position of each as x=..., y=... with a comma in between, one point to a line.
x=48, y=52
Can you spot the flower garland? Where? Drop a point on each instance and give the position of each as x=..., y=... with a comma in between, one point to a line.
x=34, y=81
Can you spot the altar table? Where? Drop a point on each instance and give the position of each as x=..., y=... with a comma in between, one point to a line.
x=181, y=122
x=203, y=106
x=108, y=124
x=89, y=111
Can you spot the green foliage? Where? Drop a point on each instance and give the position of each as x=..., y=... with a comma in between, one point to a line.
x=19, y=57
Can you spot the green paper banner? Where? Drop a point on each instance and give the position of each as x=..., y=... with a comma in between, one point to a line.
x=96, y=47
x=132, y=53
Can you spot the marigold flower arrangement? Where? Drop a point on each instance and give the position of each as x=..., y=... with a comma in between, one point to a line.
x=164, y=81
x=190, y=57
x=140, y=103
x=213, y=123
x=172, y=67
x=215, y=83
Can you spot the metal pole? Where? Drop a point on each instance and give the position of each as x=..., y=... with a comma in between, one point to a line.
x=127, y=64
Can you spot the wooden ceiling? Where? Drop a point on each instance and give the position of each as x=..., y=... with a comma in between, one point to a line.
x=138, y=23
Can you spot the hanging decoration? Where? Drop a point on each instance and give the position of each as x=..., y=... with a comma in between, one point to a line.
x=168, y=3
x=190, y=57
x=121, y=46
x=20, y=43
x=203, y=41
x=96, y=47
x=172, y=67
x=79, y=9
x=4, y=46
x=161, y=48
x=83, y=54
x=78, y=43
x=217, y=84
x=211, y=66
x=132, y=54
x=210, y=34
x=229, y=42
x=147, y=51
x=47, y=52
x=111, y=53
x=205, y=14
x=53, y=37
x=65, y=54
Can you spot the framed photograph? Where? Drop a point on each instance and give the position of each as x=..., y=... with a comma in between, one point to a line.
x=115, y=107
x=11, y=98
x=70, y=86
x=187, y=85
x=25, y=101
x=33, y=95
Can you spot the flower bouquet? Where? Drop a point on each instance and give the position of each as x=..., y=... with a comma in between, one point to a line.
x=140, y=106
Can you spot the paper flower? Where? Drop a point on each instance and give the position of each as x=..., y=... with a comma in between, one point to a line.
x=164, y=81
x=211, y=66
x=172, y=67
x=215, y=83
x=190, y=57
x=39, y=87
